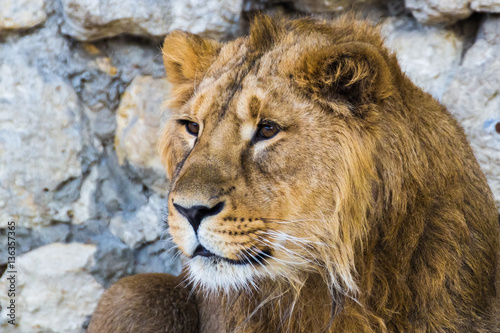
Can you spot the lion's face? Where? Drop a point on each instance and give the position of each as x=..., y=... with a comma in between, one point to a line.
x=254, y=168
x=258, y=168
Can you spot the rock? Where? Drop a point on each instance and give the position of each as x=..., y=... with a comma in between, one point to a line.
x=106, y=69
x=321, y=6
x=83, y=208
x=491, y=6
x=217, y=19
x=105, y=65
x=143, y=226
x=116, y=192
x=40, y=137
x=102, y=122
x=113, y=259
x=135, y=57
x=44, y=48
x=54, y=291
x=429, y=55
x=473, y=97
x=21, y=14
x=158, y=257
x=444, y=12
x=95, y=19
x=100, y=94
x=28, y=239
x=139, y=120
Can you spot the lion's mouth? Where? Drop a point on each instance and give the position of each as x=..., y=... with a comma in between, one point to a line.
x=258, y=259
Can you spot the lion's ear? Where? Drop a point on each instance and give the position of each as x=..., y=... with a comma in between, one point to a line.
x=353, y=72
x=187, y=57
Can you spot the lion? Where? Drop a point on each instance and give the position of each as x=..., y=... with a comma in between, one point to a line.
x=313, y=188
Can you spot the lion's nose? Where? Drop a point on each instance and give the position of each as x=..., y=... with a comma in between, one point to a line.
x=195, y=214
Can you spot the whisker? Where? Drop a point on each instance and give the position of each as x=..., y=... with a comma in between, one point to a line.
x=168, y=252
x=276, y=221
x=256, y=254
x=292, y=238
x=247, y=259
x=293, y=254
x=302, y=246
x=289, y=262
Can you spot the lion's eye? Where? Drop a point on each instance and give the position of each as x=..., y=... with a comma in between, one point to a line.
x=267, y=130
x=192, y=128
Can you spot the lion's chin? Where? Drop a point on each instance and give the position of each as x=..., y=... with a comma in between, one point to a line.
x=216, y=274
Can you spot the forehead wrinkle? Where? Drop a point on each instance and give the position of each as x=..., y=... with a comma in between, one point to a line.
x=243, y=113
x=250, y=90
x=228, y=77
x=247, y=64
x=258, y=90
x=210, y=97
x=232, y=88
x=218, y=96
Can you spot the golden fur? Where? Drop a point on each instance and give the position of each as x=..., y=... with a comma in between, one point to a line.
x=366, y=212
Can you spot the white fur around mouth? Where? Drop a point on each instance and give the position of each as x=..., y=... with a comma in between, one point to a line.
x=259, y=258
x=216, y=273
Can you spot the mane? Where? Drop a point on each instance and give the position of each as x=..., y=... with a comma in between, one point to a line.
x=266, y=32
x=396, y=205
x=332, y=278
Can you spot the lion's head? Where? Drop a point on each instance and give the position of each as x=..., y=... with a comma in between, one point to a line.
x=271, y=135
x=303, y=150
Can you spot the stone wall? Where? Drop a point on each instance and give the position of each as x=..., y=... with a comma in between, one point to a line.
x=81, y=89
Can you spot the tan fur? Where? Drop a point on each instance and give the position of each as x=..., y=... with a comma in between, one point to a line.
x=369, y=205
x=146, y=303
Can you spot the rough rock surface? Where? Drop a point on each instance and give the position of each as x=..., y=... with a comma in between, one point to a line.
x=139, y=119
x=42, y=47
x=429, y=55
x=492, y=6
x=112, y=260
x=28, y=99
x=473, y=97
x=83, y=208
x=31, y=238
x=217, y=19
x=21, y=14
x=55, y=292
x=95, y=19
x=158, y=257
x=439, y=11
x=142, y=226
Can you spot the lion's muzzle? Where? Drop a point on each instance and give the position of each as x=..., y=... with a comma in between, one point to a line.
x=195, y=214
